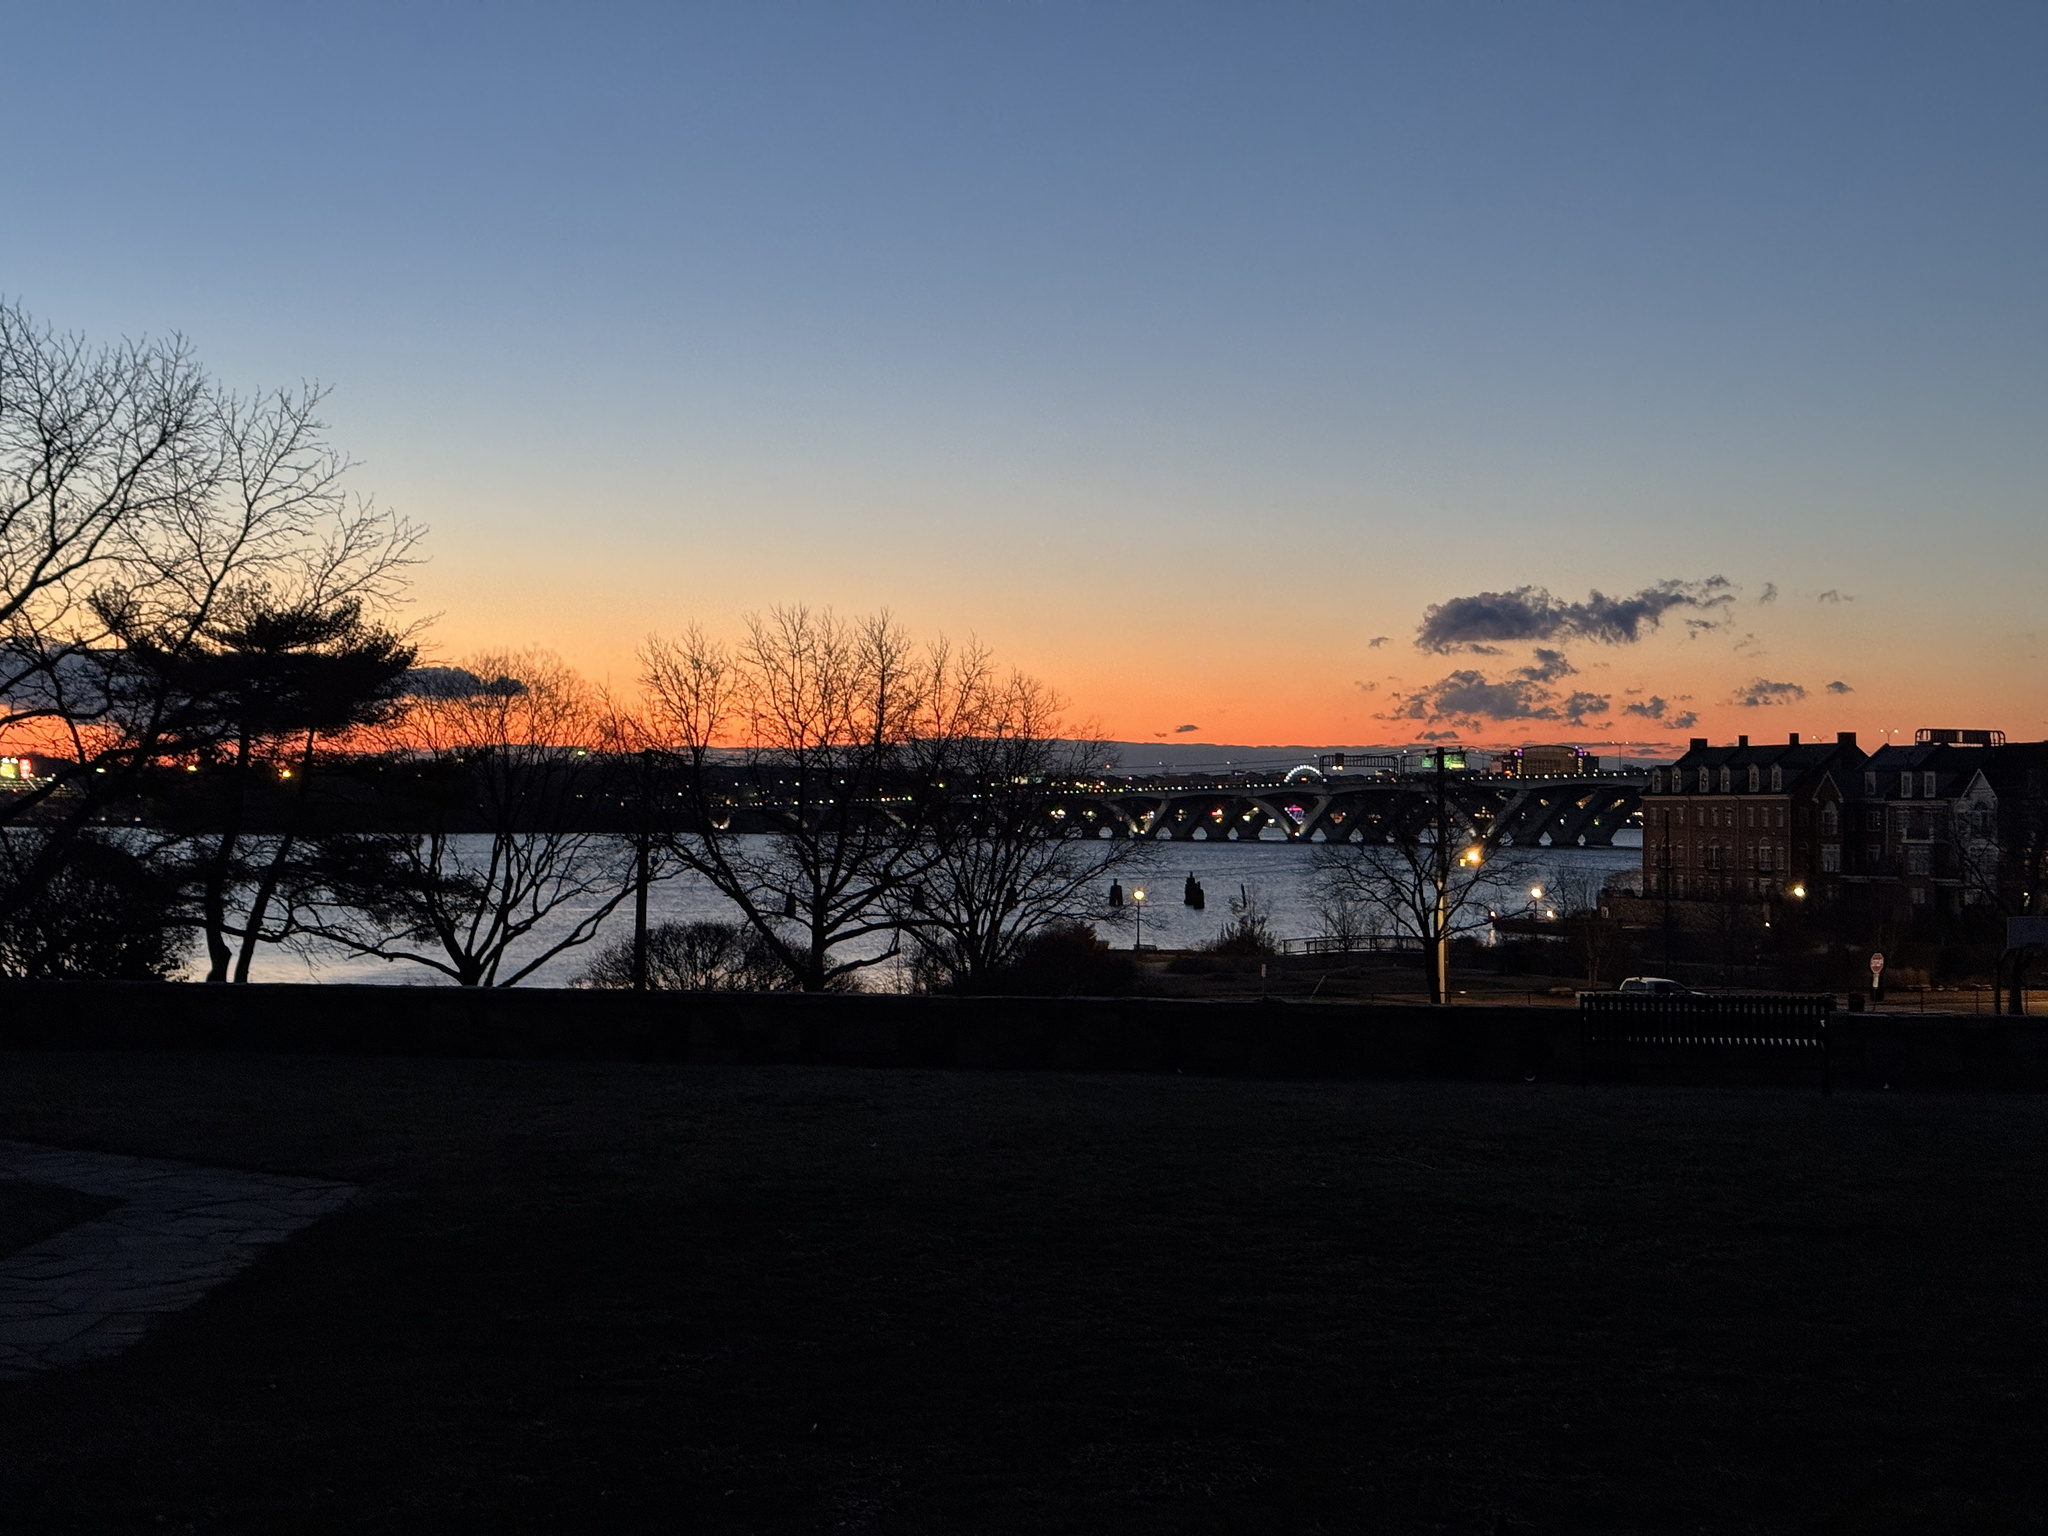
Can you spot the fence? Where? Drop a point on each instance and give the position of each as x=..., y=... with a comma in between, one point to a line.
x=1357, y=944
x=1615, y=1026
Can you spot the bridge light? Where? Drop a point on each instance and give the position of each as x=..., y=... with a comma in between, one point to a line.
x=1536, y=892
x=1799, y=891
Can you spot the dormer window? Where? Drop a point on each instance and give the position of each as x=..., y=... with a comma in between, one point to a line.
x=1727, y=779
x=1706, y=782
x=1756, y=778
x=1927, y=785
x=1657, y=781
x=1870, y=783
x=1905, y=783
x=1777, y=779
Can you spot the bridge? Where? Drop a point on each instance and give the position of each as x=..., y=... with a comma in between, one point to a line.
x=1305, y=806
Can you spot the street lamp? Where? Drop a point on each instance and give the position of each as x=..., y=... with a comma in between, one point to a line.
x=1138, y=908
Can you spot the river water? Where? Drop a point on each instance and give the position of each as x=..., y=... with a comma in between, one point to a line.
x=1275, y=872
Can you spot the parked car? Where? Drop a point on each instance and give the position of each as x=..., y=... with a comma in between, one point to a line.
x=1660, y=986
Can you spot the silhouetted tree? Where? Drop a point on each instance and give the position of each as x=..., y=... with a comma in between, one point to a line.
x=262, y=684
x=999, y=870
x=136, y=497
x=504, y=871
x=1420, y=871
x=832, y=737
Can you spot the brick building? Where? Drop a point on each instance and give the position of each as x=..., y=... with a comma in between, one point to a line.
x=1749, y=820
x=1954, y=820
x=1957, y=819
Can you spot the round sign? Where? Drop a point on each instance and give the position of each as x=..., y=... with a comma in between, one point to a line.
x=1877, y=965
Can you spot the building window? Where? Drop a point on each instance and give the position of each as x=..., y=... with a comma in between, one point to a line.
x=1927, y=786
x=1727, y=780
x=1705, y=782
x=1830, y=820
x=1873, y=855
x=1657, y=781
x=1777, y=778
x=1919, y=858
x=1919, y=896
x=1830, y=858
x=1905, y=783
x=1870, y=783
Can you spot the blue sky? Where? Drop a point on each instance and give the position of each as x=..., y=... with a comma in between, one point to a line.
x=1177, y=350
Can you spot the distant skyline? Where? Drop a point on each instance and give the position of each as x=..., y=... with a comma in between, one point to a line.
x=1594, y=373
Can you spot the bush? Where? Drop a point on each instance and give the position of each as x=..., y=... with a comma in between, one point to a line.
x=107, y=916
x=1249, y=933
x=1067, y=960
x=694, y=957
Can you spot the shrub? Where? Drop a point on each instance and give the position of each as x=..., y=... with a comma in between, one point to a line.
x=1249, y=933
x=106, y=916
x=694, y=957
x=1067, y=960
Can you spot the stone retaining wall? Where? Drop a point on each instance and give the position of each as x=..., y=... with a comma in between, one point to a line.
x=1262, y=1038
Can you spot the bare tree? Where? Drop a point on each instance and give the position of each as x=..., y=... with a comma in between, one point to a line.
x=1426, y=876
x=504, y=870
x=999, y=871
x=818, y=733
x=1578, y=896
x=136, y=496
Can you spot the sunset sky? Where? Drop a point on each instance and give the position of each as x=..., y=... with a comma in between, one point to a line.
x=1294, y=373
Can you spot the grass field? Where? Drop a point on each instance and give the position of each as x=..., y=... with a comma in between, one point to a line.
x=660, y=1298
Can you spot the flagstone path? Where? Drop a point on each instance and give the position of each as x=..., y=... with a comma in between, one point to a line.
x=96, y=1288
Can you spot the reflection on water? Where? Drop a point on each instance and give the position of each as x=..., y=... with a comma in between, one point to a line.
x=1276, y=871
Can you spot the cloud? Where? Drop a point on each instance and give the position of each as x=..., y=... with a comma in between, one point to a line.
x=1832, y=596
x=1364, y=687
x=1763, y=692
x=1468, y=698
x=1182, y=730
x=1532, y=613
x=1684, y=722
x=1838, y=686
x=1376, y=642
x=1768, y=595
x=458, y=683
x=1550, y=666
x=1651, y=709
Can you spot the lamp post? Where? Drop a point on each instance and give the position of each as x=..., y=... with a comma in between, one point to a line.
x=1138, y=911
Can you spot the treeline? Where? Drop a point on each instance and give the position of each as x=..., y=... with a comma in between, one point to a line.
x=239, y=747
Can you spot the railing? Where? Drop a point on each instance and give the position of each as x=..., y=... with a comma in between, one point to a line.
x=1612, y=1022
x=1362, y=944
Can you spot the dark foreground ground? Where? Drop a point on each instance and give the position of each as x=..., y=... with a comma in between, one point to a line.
x=783, y=1299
